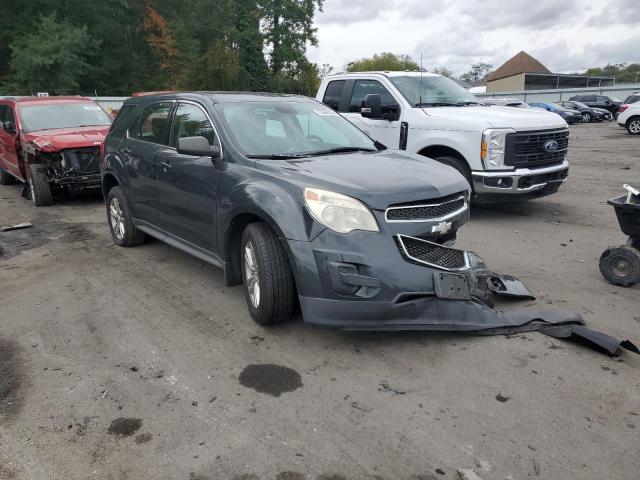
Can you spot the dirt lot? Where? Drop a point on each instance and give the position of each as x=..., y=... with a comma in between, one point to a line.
x=138, y=363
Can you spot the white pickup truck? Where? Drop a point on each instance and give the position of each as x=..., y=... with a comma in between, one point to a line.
x=505, y=153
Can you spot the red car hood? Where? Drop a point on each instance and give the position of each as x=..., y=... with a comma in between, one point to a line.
x=62, y=138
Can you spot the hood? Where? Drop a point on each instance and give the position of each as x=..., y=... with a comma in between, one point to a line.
x=63, y=138
x=378, y=179
x=499, y=117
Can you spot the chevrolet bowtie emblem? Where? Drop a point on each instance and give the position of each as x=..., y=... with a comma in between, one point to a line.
x=442, y=227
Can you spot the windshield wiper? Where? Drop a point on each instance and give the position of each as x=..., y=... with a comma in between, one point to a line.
x=339, y=150
x=445, y=104
x=274, y=157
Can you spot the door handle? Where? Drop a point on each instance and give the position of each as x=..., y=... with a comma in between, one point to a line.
x=166, y=165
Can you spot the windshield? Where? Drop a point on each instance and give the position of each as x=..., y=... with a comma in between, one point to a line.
x=555, y=105
x=290, y=129
x=436, y=91
x=614, y=99
x=577, y=104
x=62, y=115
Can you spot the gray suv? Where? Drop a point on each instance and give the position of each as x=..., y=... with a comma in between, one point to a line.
x=294, y=203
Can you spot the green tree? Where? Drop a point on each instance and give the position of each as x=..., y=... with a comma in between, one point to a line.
x=54, y=57
x=288, y=27
x=478, y=74
x=253, y=71
x=386, y=61
x=623, y=72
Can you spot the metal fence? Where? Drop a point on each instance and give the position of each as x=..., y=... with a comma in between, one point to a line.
x=621, y=92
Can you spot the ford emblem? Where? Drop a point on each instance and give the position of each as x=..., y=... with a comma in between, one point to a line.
x=550, y=146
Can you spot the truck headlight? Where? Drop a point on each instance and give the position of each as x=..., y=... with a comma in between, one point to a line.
x=493, y=148
x=338, y=212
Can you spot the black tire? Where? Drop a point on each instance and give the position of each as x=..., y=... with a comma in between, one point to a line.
x=40, y=188
x=276, y=287
x=123, y=231
x=621, y=266
x=459, y=165
x=6, y=178
x=633, y=125
x=586, y=117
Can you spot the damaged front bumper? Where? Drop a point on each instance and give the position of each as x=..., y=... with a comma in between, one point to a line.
x=408, y=283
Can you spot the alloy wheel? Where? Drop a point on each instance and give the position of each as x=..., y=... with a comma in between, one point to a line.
x=251, y=274
x=586, y=118
x=117, y=218
x=634, y=127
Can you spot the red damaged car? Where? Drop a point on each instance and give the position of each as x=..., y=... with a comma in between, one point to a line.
x=53, y=144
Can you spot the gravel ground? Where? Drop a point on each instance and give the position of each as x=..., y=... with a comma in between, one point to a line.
x=140, y=364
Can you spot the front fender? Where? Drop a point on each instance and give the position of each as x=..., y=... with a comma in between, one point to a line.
x=466, y=143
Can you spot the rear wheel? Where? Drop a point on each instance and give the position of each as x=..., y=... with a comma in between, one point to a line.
x=123, y=231
x=39, y=186
x=633, y=125
x=6, y=178
x=621, y=266
x=586, y=117
x=267, y=277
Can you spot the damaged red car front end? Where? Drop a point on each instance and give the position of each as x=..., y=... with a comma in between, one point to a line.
x=52, y=144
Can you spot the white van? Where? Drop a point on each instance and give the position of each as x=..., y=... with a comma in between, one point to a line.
x=505, y=153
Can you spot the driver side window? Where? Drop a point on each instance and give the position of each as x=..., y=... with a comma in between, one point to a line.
x=191, y=121
x=362, y=88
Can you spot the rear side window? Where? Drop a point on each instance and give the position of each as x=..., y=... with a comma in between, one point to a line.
x=333, y=94
x=123, y=117
x=589, y=98
x=363, y=88
x=632, y=99
x=152, y=124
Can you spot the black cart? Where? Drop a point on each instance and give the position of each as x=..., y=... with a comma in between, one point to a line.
x=621, y=265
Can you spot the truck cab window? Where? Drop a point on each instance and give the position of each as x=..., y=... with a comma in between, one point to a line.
x=362, y=88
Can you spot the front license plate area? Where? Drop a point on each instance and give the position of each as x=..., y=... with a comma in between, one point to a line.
x=452, y=286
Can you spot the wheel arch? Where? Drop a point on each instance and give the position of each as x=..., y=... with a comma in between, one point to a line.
x=434, y=151
x=108, y=182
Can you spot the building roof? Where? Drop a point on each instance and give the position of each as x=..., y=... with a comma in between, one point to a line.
x=520, y=63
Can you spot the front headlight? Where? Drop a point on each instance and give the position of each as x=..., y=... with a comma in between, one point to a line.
x=338, y=212
x=493, y=148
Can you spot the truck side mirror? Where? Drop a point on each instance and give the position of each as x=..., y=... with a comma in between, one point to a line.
x=372, y=106
x=9, y=127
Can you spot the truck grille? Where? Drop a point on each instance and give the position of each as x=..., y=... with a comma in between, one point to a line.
x=82, y=160
x=427, y=211
x=433, y=254
x=527, y=149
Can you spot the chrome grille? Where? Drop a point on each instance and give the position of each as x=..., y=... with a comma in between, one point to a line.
x=526, y=149
x=427, y=211
x=432, y=254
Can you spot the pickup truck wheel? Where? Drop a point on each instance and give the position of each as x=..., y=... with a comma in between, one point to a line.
x=123, y=231
x=267, y=277
x=40, y=188
x=459, y=165
x=6, y=178
x=633, y=125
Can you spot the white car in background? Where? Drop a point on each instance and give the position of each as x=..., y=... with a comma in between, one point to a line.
x=629, y=118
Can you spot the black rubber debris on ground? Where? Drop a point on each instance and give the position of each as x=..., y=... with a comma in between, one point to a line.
x=270, y=379
x=125, y=426
x=11, y=379
x=501, y=397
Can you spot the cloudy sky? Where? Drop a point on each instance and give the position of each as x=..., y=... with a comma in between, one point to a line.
x=565, y=35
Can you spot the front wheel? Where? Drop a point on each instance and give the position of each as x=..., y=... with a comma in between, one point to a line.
x=123, y=231
x=621, y=266
x=633, y=126
x=39, y=186
x=267, y=277
x=460, y=165
x=586, y=117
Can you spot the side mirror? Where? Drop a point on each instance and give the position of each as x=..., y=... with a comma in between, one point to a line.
x=198, y=147
x=9, y=127
x=372, y=106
